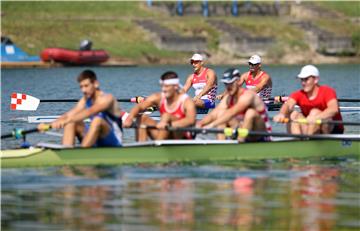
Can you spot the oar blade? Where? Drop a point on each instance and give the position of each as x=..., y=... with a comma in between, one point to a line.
x=23, y=102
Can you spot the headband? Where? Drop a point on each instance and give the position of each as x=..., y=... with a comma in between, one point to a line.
x=170, y=81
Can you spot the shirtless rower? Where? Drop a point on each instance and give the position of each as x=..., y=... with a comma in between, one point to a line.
x=315, y=101
x=103, y=111
x=255, y=79
x=204, y=81
x=176, y=110
x=239, y=107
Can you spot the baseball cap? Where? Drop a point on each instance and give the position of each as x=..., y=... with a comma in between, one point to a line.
x=307, y=71
x=255, y=59
x=197, y=57
x=230, y=75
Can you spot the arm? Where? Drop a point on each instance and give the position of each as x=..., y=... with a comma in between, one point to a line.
x=187, y=85
x=331, y=110
x=211, y=80
x=240, y=105
x=242, y=79
x=152, y=100
x=62, y=120
x=101, y=104
x=265, y=81
x=213, y=114
x=285, y=110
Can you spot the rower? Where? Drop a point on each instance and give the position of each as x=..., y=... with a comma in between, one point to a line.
x=176, y=110
x=239, y=108
x=315, y=102
x=255, y=79
x=102, y=109
x=204, y=81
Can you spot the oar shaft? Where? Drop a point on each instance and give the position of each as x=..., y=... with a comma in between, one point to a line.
x=284, y=98
x=18, y=133
x=131, y=100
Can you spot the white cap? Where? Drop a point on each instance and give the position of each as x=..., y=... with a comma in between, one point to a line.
x=255, y=59
x=197, y=57
x=307, y=71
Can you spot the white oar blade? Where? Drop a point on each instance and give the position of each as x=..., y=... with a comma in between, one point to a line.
x=24, y=102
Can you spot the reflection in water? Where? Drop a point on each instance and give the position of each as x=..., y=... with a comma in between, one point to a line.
x=241, y=196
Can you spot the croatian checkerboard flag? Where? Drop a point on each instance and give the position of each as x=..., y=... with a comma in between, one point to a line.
x=24, y=102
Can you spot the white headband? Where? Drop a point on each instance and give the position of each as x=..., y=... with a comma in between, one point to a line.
x=170, y=81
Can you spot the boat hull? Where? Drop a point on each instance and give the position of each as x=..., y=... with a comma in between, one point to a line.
x=160, y=152
x=75, y=57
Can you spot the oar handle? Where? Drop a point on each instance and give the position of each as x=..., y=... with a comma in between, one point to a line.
x=19, y=133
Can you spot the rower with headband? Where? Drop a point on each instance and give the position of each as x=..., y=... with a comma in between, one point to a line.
x=176, y=110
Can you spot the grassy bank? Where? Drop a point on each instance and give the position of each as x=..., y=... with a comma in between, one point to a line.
x=37, y=25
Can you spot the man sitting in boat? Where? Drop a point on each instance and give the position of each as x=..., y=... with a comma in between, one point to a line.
x=204, y=81
x=102, y=109
x=315, y=102
x=176, y=110
x=240, y=107
x=255, y=79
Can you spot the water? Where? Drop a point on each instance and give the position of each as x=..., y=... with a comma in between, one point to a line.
x=288, y=194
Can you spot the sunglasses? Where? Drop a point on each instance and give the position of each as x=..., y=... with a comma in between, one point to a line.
x=195, y=61
x=252, y=65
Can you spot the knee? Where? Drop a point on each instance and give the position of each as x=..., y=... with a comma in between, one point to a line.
x=96, y=122
x=314, y=112
x=295, y=115
x=251, y=113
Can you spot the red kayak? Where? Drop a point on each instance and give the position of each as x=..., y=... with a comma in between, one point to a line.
x=75, y=57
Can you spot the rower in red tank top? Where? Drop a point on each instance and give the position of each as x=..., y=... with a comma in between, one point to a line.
x=176, y=110
x=255, y=79
x=315, y=101
x=240, y=108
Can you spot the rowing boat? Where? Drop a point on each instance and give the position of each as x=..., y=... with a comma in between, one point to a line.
x=179, y=150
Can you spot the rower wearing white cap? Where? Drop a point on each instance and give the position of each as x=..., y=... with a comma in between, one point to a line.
x=176, y=110
x=239, y=107
x=256, y=79
x=315, y=102
x=204, y=81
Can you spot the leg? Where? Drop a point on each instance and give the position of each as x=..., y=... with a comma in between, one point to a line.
x=98, y=128
x=252, y=122
x=70, y=130
x=199, y=103
x=296, y=128
x=314, y=128
x=143, y=133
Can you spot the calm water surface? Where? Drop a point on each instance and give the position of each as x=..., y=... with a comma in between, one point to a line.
x=289, y=194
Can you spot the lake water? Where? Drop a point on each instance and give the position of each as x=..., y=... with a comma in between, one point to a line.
x=287, y=194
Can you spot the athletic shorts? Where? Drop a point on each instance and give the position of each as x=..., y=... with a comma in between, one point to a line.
x=208, y=103
x=108, y=141
x=337, y=130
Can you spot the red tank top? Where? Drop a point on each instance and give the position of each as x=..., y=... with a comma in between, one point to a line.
x=178, y=111
x=252, y=83
x=199, y=82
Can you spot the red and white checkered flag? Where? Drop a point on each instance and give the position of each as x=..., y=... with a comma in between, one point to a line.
x=24, y=102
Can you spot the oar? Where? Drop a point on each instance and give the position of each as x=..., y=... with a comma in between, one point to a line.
x=241, y=132
x=284, y=98
x=319, y=122
x=135, y=99
x=19, y=133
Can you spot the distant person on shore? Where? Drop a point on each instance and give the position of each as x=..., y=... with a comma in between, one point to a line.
x=204, y=81
x=103, y=111
x=176, y=110
x=315, y=102
x=239, y=108
x=255, y=79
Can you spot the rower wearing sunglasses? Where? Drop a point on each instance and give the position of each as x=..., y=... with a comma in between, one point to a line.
x=204, y=81
x=239, y=108
x=255, y=79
